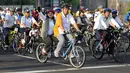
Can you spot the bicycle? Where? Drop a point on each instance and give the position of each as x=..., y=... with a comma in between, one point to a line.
x=70, y=51
x=13, y=39
x=31, y=42
x=102, y=46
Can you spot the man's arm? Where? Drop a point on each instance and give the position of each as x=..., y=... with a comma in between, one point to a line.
x=34, y=22
x=7, y=19
x=114, y=23
x=73, y=22
x=23, y=22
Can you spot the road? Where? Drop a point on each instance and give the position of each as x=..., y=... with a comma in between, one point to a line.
x=11, y=62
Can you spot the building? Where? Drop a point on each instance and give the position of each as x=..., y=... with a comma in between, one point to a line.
x=48, y=3
x=93, y=4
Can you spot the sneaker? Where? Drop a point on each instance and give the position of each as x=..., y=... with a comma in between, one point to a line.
x=79, y=42
x=72, y=56
x=6, y=46
x=30, y=50
x=56, y=54
x=43, y=51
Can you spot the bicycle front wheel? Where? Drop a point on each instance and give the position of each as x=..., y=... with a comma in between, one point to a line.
x=40, y=57
x=119, y=52
x=77, y=57
x=97, y=50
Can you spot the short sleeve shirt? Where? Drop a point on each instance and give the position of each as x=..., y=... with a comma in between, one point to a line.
x=11, y=20
x=27, y=21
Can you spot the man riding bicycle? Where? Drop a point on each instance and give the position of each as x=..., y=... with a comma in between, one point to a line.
x=26, y=23
x=103, y=22
x=63, y=21
x=117, y=19
x=8, y=24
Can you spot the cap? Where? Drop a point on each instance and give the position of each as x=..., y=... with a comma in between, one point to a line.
x=107, y=10
x=114, y=11
x=87, y=9
x=43, y=8
x=58, y=10
x=51, y=11
x=27, y=10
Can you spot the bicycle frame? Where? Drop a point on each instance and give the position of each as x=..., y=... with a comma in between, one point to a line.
x=69, y=44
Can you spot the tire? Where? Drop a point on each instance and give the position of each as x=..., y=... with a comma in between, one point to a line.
x=119, y=52
x=97, y=50
x=77, y=57
x=126, y=42
x=41, y=58
x=15, y=44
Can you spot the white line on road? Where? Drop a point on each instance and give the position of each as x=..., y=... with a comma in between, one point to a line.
x=68, y=69
x=47, y=61
x=72, y=69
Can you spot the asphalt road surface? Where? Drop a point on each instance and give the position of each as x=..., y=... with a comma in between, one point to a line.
x=11, y=62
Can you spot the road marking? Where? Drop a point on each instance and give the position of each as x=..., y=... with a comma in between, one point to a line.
x=72, y=69
x=28, y=57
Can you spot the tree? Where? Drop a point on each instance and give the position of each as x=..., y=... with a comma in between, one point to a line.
x=73, y=2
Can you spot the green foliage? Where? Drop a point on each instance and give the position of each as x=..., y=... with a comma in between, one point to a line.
x=128, y=8
x=17, y=2
x=73, y=2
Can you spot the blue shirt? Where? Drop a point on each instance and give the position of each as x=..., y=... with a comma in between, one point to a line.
x=127, y=17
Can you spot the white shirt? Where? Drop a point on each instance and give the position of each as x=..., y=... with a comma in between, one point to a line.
x=96, y=14
x=51, y=26
x=66, y=22
x=88, y=15
x=117, y=19
x=11, y=20
x=27, y=21
x=102, y=23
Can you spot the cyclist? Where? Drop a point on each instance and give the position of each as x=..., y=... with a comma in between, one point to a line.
x=117, y=19
x=8, y=24
x=127, y=19
x=47, y=31
x=83, y=22
x=98, y=11
x=57, y=11
x=63, y=21
x=88, y=14
x=35, y=14
x=19, y=15
x=103, y=22
x=27, y=22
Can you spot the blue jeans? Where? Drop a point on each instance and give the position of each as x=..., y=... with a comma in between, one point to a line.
x=6, y=33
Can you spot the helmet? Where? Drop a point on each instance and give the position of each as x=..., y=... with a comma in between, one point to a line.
x=100, y=6
x=27, y=10
x=12, y=10
x=18, y=9
x=107, y=10
x=65, y=6
x=114, y=11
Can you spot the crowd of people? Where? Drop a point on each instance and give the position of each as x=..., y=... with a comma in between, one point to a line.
x=58, y=21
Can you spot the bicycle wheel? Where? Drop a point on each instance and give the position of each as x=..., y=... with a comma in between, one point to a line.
x=97, y=50
x=77, y=57
x=125, y=40
x=15, y=43
x=40, y=57
x=119, y=51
